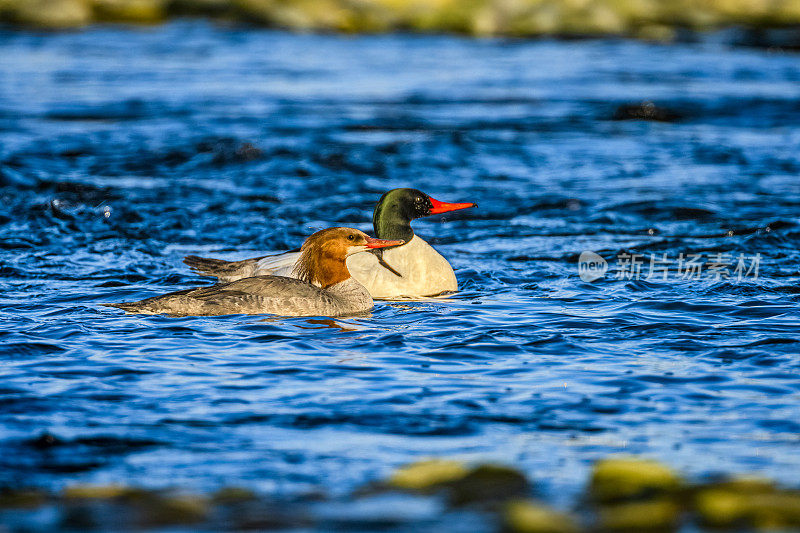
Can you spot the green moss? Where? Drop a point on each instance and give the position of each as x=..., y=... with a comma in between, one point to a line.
x=655, y=515
x=776, y=511
x=175, y=510
x=208, y=8
x=11, y=498
x=649, y=19
x=630, y=477
x=486, y=484
x=479, y=485
x=525, y=516
x=95, y=492
x=258, y=11
x=748, y=503
x=49, y=14
x=655, y=32
x=129, y=11
x=425, y=475
x=233, y=495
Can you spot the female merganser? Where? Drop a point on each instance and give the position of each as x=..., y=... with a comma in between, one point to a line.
x=323, y=285
x=411, y=270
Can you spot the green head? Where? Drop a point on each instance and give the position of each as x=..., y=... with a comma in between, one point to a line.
x=397, y=208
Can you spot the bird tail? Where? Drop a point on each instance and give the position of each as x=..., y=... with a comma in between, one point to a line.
x=206, y=266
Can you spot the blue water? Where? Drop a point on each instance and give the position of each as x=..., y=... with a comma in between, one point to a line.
x=122, y=150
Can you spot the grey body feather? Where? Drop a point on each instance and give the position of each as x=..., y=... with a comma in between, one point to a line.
x=275, y=295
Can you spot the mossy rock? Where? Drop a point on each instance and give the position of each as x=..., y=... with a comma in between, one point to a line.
x=721, y=508
x=787, y=12
x=525, y=516
x=367, y=20
x=636, y=11
x=780, y=510
x=619, y=478
x=21, y=498
x=421, y=15
x=233, y=495
x=655, y=515
x=742, y=10
x=209, y=8
x=175, y=510
x=130, y=11
x=487, y=484
x=426, y=475
x=761, y=507
x=472, y=17
x=543, y=19
x=49, y=14
x=6, y=9
x=595, y=19
x=747, y=485
x=299, y=15
x=729, y=502
x=259, y=11
x=481, y=484
x=655, y=32
x=95, y=492
x=690, y=14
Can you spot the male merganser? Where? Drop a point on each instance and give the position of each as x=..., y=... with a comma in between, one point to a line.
x=411, y=270
x=323, y=285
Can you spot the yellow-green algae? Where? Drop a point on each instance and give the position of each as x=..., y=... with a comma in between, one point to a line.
x=47, y=14
x=661, y=514
x=480, y=484
x=182, y=509
x=646, y=496
x=154, y=508
x=622, y=477
x=748, y=502
x=650, y=19
x=130, y=11
x=95, y=492
x=487, y=484
x=527, y=516
x=233, y=495
x=427, y=474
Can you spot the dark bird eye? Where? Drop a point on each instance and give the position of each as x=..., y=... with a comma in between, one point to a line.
x=351, y=237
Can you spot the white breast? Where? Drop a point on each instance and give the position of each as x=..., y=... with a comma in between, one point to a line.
x=424, y=271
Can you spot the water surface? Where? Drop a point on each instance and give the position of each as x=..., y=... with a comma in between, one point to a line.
x=123, y=150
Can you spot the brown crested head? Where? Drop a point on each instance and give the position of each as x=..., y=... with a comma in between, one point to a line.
x=322, y=256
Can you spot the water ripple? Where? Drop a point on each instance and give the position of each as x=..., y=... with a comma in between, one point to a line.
x=121, y=151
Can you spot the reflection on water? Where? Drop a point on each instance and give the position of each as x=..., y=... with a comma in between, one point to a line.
x=329, y=323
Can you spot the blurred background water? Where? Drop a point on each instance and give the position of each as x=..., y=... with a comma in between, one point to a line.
x=122, y=150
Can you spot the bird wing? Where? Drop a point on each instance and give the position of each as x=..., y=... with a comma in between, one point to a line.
x=265, y=286
x=225, y=270
x=280, y=264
